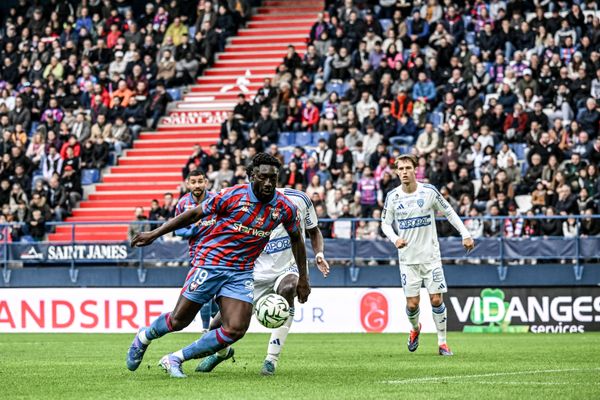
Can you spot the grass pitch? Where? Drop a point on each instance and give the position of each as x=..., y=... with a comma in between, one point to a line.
x=323, y=366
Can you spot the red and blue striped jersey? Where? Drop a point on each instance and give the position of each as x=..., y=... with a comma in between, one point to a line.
x=243, y=227
x=194, y=232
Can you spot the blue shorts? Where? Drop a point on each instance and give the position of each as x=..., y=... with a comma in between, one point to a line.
x=204, y=283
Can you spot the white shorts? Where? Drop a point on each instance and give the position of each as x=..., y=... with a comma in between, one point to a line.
x=430, y=275
x=266, y=284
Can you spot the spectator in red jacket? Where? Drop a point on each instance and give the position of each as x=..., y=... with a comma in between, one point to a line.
x=310, y=116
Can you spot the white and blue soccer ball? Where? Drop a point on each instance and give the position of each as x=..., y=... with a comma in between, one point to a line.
x=272, y=310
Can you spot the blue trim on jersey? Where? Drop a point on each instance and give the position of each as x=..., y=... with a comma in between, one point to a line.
x=297, y=193
x=428, y=186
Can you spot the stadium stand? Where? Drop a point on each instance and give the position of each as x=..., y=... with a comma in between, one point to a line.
x=498, y=100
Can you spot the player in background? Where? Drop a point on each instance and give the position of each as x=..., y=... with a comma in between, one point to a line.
x=222, y=265
x=411, y=208
x=276, y=271
x=195, y=183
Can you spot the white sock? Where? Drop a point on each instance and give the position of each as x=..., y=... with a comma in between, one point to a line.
x=179, y=354
x=223, y=352
x=413, y=318
x=143, y=338
x=439, y=317
x=278, y=337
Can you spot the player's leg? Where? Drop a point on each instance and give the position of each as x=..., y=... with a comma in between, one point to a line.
x=411, y=283
x=205, y=314
x=435, y=282
x=235, y=300
x=286, y=287
x=181, y=316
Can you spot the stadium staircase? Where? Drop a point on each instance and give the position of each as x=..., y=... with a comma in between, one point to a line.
x=153, y=165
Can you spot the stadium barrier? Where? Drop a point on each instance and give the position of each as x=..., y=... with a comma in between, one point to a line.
x=346, y=249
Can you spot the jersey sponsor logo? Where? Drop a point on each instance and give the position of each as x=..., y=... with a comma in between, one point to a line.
x=413, y=223
x=251, y=231
x=374, y=312
x=278, y=245
x=400, y=206
x=208, y=222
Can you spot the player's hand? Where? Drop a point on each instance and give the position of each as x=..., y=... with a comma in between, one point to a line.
x=303, y=290
x=323, y=265
x=400, y=243
x=469, y=244
x=142, y=239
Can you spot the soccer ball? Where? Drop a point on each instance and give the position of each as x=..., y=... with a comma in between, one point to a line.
x=272, y=310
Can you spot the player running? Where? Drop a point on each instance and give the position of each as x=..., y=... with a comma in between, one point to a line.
x=276, y=271
x=196, y=184
x=411, y=208
x=222, y=266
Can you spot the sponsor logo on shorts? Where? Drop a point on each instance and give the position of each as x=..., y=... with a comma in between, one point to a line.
x=437, y=275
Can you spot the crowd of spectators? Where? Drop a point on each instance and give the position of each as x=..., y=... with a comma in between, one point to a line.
x=81, y=79
x=497, y=99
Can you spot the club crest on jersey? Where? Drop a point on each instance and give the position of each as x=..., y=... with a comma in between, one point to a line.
x=420, y=203
x=275, y=215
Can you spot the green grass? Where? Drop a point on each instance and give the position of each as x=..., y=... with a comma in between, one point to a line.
x=324, y=366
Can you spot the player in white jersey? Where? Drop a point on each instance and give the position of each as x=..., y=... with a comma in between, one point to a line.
x=411, y=209
x=275, y=271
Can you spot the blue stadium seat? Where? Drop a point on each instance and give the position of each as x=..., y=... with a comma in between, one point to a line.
x=520, y=150
x=175, y=94
x=385, y=24
x=436, y=118
x=90, y=176
x=287, y=155
x=285, y=139
x=470, y=38
x=340, y=88
x=34, y=126
x=320, y=135
x=303, y=139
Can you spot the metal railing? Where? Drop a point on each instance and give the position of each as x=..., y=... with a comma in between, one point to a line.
x=502, y=249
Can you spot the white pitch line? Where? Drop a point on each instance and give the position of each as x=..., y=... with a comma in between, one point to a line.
x=490, y=375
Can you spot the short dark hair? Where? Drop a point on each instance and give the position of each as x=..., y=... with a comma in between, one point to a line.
x=406, y=157
x=196, y=172
x=264, y=159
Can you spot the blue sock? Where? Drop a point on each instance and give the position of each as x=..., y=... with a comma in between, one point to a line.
x=208, y=344
x=205, y=312
x=159, y=327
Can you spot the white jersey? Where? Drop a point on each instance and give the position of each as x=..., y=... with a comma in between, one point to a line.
x=413, y=217
x=277, y=257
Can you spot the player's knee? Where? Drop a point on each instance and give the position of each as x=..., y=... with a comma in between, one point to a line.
x=236, y=332
x=436, y=299
x=412, y=303
x=288, y=291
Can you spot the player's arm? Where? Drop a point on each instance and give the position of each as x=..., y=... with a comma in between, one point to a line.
x=299, y=251
x=186, y=232
x=185, y=219
x=387, y=219
x=316, y=239
x=292, y=226
x=440, y=204
x=318, y=245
